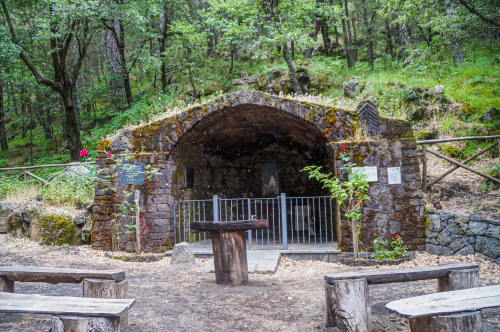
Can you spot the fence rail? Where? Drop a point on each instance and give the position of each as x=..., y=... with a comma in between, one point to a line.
x=425, y=185
x=25, y=172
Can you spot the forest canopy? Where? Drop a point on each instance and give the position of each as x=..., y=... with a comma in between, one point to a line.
x=75, y=71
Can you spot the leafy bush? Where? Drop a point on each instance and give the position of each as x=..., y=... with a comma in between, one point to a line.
x=382, y=252
x=70, y=188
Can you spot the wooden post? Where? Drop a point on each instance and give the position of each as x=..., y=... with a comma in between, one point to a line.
x=498, y=142
x=138, y=222
x=348, y=305
x=6, y=285
x=459, y=279
x=424, y=168
x=25, y=175
x=85, y=324
x=107, y=289
x=463, y=322
x=230, y=257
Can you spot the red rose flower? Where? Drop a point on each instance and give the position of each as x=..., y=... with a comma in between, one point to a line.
x=395, y=236
x=84, y=153
x=343, y=147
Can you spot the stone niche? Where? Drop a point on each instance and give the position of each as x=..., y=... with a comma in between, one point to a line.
x=223, y=146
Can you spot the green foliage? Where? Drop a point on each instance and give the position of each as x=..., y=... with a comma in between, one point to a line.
x=381, y=250
x=349, y=194
x=70, y=188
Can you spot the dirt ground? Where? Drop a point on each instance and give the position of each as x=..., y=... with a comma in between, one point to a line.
x=464, y=191
x=176, y=299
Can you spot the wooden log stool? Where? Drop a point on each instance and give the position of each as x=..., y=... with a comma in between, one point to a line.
x=229, y=247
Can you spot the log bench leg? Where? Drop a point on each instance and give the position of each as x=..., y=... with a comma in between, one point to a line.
x=6, y=285
x=107, y=289
x=459, y=279
x=230, y=257
x=85, y=324
x=463, y=322
x=348, y=305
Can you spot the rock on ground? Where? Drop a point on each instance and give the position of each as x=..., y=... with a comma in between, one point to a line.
x=182, y=256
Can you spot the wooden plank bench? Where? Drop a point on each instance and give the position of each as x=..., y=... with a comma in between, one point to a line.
x=347, y=300
x=107, y=284
x=71, y=314
x=448, y=311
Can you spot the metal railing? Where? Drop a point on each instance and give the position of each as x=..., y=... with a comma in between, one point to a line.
x=305, y=221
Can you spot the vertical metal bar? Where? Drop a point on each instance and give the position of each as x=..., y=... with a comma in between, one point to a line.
x=314, y=217
x=189, y=222
x=424, y=168
x=225, y=208
x=216, y=208
x=249, y=206
x=279, y=220
x=283, y=221
x=308, y=221
x=267, y=217
x=297, y=220
x=204, y=220
x=291, y=218
x=184, y=221
x=331, y=218
x=261, y=231
x=274, y=233
x=320, y=221
x=326, y=222
x=303, y=228
x=175, y=224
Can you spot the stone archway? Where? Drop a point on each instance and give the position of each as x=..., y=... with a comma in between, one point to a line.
x=218, y=141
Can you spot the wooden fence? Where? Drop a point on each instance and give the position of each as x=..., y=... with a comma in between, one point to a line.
x=425, y=185
x=26, y=173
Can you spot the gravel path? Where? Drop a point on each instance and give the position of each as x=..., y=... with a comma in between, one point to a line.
x=174, y=299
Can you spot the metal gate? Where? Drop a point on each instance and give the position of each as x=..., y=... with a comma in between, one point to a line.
x=306, y=221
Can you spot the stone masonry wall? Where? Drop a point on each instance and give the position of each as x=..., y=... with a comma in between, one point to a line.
x=393, y=209
x=450, y=233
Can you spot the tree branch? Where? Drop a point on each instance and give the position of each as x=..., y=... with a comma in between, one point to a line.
x=38, y=77
x=472, y=9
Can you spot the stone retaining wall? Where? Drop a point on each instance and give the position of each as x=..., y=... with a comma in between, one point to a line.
x=450, y=233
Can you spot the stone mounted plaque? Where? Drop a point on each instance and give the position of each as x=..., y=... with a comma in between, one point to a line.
x=394, y=175
x=370, y=172
x=131, y=173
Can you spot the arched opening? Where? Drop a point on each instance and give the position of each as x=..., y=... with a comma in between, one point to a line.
x=248, y=156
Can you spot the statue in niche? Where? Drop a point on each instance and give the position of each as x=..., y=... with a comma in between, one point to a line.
x=269, y=179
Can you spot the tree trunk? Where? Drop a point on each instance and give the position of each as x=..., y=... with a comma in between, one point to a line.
x=336, y=35
x=348, y=305
x=347, y=41
x=368, y=35
x=456, y=46
x=389, y=46
x=71, y=128
x=85, y=324
x=3, y=136
x=458, y=280
x=164, y=25
x=402, y=42
x=314, y=35
x=355, y=41
x=230, y=257
x=25, y=121
x=326, y=37
x=291, y=69
x=107, y=289
x=463, y=322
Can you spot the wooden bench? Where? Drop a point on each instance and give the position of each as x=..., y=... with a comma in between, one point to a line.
x=448, y=311
x=107, y=284
x=347, y=300
x=71, y=314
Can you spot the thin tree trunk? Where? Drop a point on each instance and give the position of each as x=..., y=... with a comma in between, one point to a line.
x=368, y=35
x=390, y=45
x=291, y=69
x=326, y=38
x=336, y=36
x=347, y=41
x=3, y=136
x=355, y=41
x=314, y=35
x=456, y=46
x=292, y=46
x=23, y=114
x=402, y=42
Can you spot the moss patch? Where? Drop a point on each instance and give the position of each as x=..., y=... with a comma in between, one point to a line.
x=59, y=229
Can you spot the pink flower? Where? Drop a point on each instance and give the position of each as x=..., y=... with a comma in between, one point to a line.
x=84, y=153
x=109, y=154
x=343, y=147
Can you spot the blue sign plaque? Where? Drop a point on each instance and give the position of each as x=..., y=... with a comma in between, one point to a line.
x=131, y=173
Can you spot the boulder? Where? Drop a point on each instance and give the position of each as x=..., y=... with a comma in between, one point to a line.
x=182, y=256
x=81, y=218
x=461, y=217
x=493, y=231
x=434, y=249
x=427, y=135
x=351, y=88
x=458, y=244
x=6, y=209
x=58, y=229
x=435, y=223
x=78, y=170
x=467, y=250
x=303, y=78
x=491, y=115
x=488, y=246
x=437, y=92
x=416, y=113
x=272, y=83
x=477, y=228
x=120, y=143
x=87, y=232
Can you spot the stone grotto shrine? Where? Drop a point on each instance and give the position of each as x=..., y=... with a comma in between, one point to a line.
x=247, y=149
